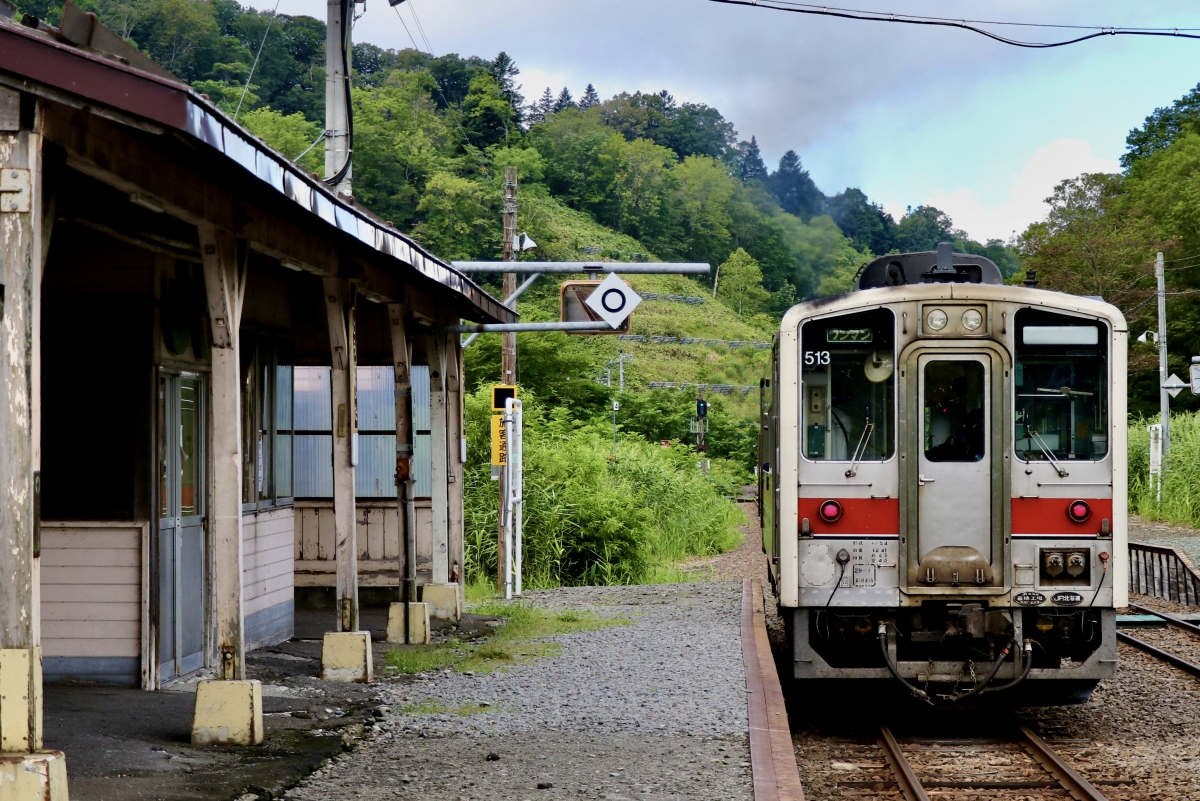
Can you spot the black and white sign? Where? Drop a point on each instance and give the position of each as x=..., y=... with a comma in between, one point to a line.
x=1067, y=598
x=613, y=300
x=1029, y=598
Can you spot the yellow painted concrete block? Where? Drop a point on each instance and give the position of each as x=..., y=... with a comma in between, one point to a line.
x=35, y=777
x=228, y=713
x=418, y=623
x=445, y=600
x=346, y=656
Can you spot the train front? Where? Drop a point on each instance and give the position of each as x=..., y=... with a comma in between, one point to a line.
x=953, y=518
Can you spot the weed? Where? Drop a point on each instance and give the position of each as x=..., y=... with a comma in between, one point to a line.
x=432, y=706
x=1181, y=472
x=420, y=658
x=568, y=617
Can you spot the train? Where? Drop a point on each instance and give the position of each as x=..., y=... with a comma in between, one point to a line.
x=943, y=485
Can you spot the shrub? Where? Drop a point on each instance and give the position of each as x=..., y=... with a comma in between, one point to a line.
x=1181, y=479
x=594, y=514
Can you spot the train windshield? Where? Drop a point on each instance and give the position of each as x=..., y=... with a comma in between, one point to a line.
x=1061, y=384
x=848, y=367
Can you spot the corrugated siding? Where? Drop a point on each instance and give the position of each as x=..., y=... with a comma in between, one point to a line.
x=422, y=443
x=314, y=465
x=375, y=476
x=376, y=399
x=314, y=404
x=91, y=587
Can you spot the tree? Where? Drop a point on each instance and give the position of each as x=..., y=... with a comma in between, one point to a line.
x=750, y=164
x=695, y=129
x=1162, y=128
x=505, y=71
x=590, y=98
x=867, y=225
x=489, y=116
x=644, y=188
x=794, y=188
x=1094, y=242
x=291, y=135
x=459, y=221
x=923, y=228
x=563, y=102
x=740, y=280
x=541, y=109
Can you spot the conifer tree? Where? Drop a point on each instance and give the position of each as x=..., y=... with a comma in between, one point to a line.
x=564, y=101
x=750, y=163
x=590, y=98
x=505, y=71
x=540, y=109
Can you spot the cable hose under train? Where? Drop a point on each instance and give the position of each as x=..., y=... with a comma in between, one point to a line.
x=917, y=692
x=1025, y=669
x=991, y=674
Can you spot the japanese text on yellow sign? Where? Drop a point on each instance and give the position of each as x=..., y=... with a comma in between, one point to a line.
x=499, y=441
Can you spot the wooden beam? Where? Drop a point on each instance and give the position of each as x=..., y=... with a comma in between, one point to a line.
x=20, y=260
x=405, y=480
x=339, y=308
x=457, y=446
x=218, y=251
x=435, y=348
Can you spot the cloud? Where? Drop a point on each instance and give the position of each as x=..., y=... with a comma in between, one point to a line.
x=1025, y=203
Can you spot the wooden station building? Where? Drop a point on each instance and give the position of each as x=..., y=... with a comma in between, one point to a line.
x=169, y=287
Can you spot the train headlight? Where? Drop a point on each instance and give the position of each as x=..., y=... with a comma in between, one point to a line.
x=971, y=320
x=936, y=320
x=1079, y=511
x=1054, y=563
x=1076, y=563
x=830, y=511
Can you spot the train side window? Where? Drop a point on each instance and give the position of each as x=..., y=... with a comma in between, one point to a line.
x=1060, y=380
x=848, y=391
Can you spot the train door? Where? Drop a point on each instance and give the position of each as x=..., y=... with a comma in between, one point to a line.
x=181, y=540
x=956, y=444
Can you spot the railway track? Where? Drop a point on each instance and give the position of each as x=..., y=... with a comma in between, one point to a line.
x=919, y=769
x=1159, y=653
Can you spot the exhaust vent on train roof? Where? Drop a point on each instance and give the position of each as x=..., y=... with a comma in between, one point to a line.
x=929, y=267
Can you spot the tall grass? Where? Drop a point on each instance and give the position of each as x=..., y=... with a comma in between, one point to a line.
x=595, y=515
x=1181, y=480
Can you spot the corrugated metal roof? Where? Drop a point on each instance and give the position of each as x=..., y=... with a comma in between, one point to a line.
x=33, y=57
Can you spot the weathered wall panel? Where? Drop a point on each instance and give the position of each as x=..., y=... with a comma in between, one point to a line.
x=268, y=567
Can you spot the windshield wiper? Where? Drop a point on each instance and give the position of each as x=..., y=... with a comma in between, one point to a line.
x=861, y=449
x=1066, y=392
x=1037, y=438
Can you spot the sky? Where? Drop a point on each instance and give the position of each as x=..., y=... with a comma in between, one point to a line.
x=911, y=115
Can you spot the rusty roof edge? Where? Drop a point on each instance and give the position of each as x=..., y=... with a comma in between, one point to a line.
x=203, y=121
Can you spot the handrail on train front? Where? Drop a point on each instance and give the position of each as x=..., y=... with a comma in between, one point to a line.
x=1163, y=572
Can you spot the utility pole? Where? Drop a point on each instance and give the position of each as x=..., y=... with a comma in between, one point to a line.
x=508, y=353
x=1164, y=397
x=338, y=46
x=508, y=347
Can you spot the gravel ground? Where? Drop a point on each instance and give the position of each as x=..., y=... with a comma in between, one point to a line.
x=653, y=710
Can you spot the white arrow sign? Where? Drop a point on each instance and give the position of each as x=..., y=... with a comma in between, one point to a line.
x=613, y=300
x=1174, y=385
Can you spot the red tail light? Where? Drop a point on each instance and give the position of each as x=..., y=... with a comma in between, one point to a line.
x=1079, y=511
x=831, y=511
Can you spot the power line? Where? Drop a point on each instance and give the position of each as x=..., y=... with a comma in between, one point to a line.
x=969, y=25
x=254, y=66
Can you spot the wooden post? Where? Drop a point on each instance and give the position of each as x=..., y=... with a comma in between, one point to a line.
x=224, y=287
x=402, y=360
x=457, y=446
x=508, y=342
x=436, y=349
x=20, y=271
x=339, y=307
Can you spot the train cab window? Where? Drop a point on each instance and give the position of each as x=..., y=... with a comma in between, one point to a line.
x=1061, y=387
x=955, y=418
x=848, y=391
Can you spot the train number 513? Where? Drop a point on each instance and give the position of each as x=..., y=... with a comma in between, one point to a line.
x=813, y=358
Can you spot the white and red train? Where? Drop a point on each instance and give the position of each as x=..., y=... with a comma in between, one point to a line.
x=943, y=483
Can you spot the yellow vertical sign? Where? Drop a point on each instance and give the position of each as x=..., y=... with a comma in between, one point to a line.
x=499, y=441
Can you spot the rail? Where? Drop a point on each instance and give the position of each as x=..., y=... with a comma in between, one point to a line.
x=1163, y=572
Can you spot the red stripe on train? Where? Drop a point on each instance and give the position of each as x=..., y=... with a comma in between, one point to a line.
x=1049, y=516
x=859, y=516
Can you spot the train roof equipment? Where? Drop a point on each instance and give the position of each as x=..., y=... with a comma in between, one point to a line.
x=941, y=266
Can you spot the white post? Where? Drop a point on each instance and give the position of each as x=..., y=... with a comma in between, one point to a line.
x=340, y=318
x=516, y=458
x=435, y=348
x=1164, y=398
x=506, y=507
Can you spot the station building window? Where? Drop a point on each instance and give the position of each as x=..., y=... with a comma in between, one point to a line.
x=848, y=391
x=267, y=420
x=1061, y=387
x=375, y=474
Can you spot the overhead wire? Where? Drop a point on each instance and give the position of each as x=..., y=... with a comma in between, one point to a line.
x=969, y=25
x=257, y=56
